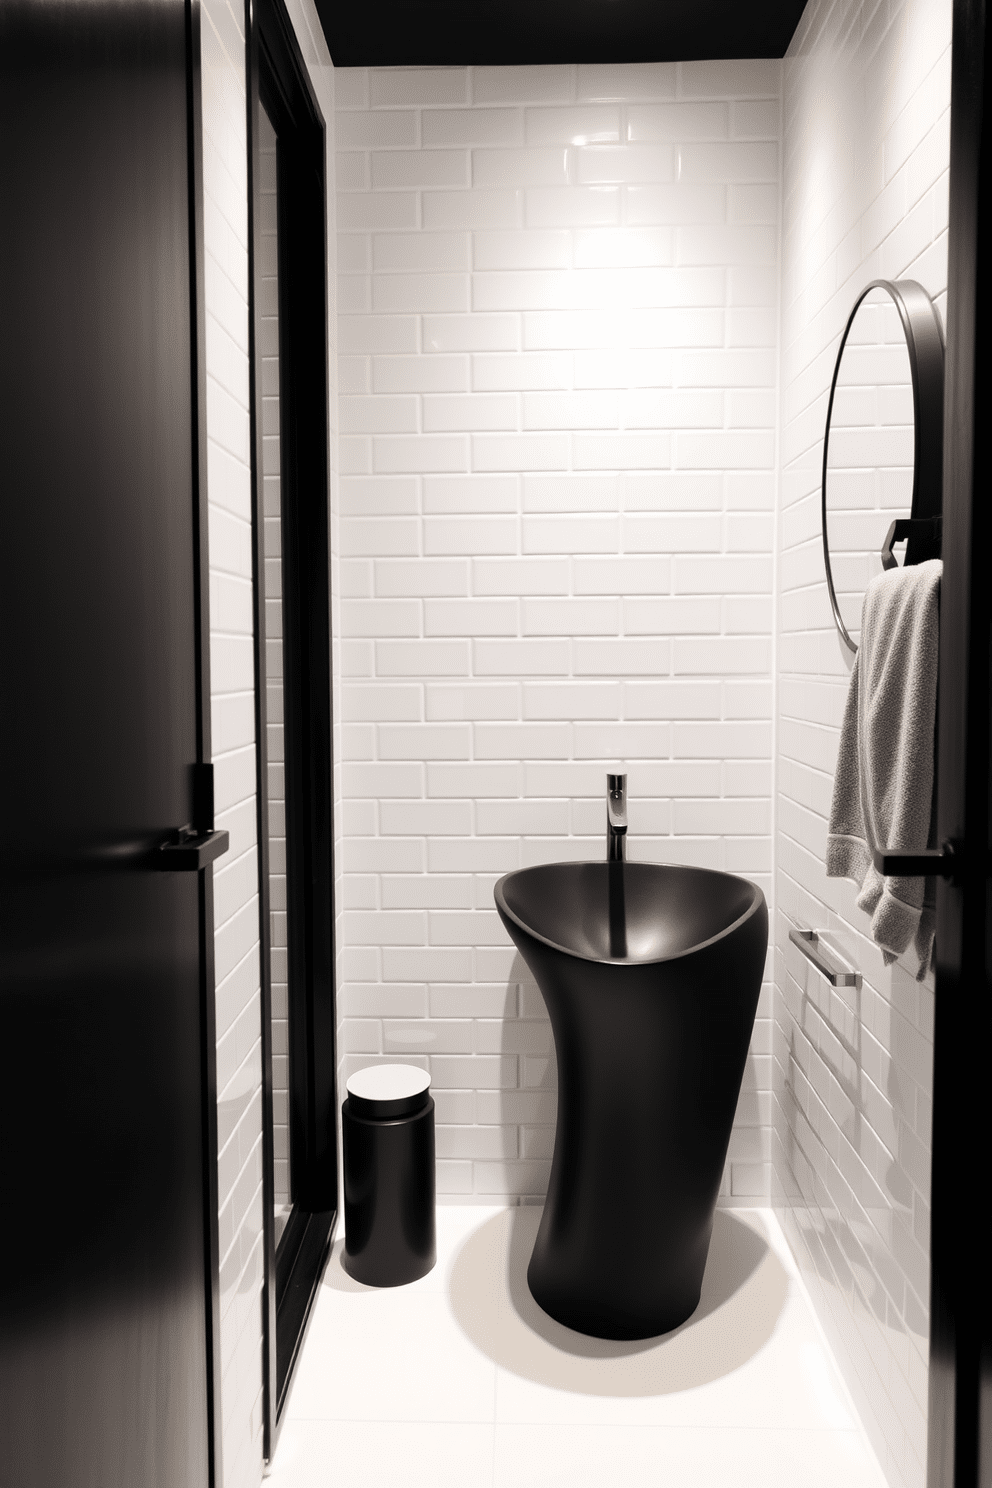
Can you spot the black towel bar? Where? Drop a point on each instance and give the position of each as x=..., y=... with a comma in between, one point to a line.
x=938, y=862
x=922, y=536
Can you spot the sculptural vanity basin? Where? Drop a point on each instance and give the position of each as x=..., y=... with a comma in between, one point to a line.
x=651, y=975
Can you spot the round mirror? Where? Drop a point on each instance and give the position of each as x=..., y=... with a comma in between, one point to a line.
x=883, y=444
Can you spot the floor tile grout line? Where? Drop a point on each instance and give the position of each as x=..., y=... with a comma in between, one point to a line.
x=694, y=1428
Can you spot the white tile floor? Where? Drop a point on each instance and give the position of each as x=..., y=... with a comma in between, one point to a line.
x=460, y=1381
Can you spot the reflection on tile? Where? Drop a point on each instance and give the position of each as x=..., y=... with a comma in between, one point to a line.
x=461, y=1379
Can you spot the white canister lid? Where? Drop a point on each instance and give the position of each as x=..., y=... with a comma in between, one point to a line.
x=386, y=1091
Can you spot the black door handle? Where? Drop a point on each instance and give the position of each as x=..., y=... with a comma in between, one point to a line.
x=189, y=851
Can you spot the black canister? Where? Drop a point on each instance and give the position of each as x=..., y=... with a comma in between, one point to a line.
x=389, y=1185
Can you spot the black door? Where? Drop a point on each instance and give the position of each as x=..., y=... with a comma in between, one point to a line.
x=106, y=1333
x=959, y=1428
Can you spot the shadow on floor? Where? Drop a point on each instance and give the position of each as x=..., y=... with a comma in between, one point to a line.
x=744, y=1291
x=336, y=1276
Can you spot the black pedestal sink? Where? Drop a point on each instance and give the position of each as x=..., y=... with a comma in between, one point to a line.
x=651, y=977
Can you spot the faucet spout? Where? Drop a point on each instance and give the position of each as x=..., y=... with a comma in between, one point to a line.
x=616, y=818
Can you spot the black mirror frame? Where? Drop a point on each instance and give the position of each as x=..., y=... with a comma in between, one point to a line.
x=925, y=344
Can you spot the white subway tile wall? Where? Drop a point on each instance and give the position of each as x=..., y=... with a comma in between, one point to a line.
x=558, y=324
x=232, y=679
x=236, y=946
x=268, y=282
x=866, y=130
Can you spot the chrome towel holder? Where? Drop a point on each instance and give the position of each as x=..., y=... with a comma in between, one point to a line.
x=826, y=963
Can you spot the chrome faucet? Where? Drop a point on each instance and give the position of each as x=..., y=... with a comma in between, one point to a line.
x=616, y=818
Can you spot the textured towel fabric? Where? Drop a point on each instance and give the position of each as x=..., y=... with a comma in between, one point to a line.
x=884, y=786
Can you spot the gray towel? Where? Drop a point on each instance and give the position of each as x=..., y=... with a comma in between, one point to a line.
x=884, y=786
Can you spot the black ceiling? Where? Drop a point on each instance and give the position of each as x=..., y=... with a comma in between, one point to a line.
x=415, y=33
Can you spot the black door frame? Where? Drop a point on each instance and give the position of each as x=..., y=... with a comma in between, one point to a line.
x=203, y=804
x=959, y=1449
x=278, y=79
